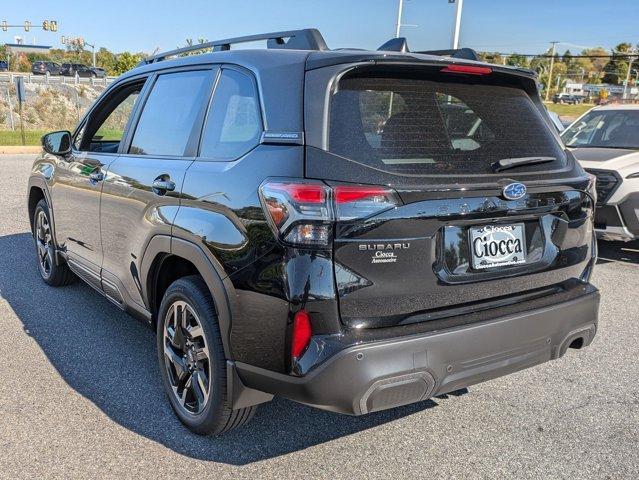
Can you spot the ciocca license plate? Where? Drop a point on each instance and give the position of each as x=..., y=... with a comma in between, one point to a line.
x=497, y=245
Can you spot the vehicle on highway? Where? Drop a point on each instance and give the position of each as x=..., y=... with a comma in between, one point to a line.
x=4, y=66
x=605, y=140
x=567, y=98
x=353, y=230
x=71, y=69
x=41, y=67
x=99, y=72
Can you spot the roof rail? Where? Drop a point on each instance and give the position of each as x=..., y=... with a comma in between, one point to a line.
x=462, y=53
x=304, y=39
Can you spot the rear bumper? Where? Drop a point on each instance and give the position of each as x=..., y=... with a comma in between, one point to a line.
x=378, y=375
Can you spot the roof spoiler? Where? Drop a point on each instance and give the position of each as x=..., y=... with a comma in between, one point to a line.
x=400, y=44
x=304, y=39
x=461, y=53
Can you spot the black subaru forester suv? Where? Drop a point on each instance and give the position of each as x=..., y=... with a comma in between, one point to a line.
x=354, y=230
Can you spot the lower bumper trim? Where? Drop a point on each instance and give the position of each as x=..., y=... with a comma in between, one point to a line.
x=377, y=375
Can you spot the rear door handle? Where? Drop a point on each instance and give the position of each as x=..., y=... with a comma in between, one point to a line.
x=96, y=176
x=161, y=186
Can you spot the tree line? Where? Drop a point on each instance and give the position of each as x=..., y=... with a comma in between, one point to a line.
x=114, y=63
x=591, y=65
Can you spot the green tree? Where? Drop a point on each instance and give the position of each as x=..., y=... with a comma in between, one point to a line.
x=517, y=60
x=200, y=41
x=125, y=61
x=616, y=69
x=106, y=59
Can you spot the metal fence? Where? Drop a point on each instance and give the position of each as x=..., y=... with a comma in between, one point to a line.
x=9, y=77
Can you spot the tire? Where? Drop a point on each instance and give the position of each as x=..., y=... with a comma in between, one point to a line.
x=56, y=274
x=186, y=376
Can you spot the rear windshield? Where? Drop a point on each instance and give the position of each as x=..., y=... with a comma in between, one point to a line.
x=430, y=127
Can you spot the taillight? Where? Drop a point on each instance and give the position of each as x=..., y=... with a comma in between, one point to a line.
x=361, y=201
x=301, y=335
x=302, y=212
x=467, y=69
x=298, y=211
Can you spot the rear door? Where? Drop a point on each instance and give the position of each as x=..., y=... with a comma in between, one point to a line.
x=462, y=234
x=141, y=192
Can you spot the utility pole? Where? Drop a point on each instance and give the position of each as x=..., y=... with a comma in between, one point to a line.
x=459, y=5
x=626, y=86
x=398, y=25
x=552, y=64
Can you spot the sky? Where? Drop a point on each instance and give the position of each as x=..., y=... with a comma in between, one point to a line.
x=508, y=26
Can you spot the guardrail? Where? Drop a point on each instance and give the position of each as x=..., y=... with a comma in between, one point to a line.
x=9, y=77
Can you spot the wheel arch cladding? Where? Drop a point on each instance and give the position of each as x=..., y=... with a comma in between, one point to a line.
x=35, y=195
x=184, y=253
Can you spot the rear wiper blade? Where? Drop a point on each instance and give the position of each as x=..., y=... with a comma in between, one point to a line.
x=506, y=163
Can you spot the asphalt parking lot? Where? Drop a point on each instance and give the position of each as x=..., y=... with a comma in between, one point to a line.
x=80, y=396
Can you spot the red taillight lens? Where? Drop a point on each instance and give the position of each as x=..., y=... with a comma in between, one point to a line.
x=467, y=69
x=347, y=193
x=361, y=201
x=302, y=333
x=306, y=193
x=302, y=212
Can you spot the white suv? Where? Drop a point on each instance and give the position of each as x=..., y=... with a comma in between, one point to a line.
x=605, y=140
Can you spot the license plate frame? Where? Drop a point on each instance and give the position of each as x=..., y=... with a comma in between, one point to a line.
x=508, y=241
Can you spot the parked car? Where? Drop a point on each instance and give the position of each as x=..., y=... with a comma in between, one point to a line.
x=99, y=72
x=354, y=230
x=4, y=66
x=41, y=67
x=70, y=70
x=567, y=98
x=605, y=140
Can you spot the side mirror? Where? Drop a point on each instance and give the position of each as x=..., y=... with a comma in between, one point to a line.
x=57, y=143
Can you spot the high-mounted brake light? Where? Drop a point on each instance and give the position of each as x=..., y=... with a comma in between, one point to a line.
x=302, y=212
x=302, y=333
x=467, y=69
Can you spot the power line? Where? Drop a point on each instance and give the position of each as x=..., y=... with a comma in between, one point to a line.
x=546, y=55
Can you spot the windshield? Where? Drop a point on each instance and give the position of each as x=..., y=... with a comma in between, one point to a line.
x=605, y=128
x=437, y=125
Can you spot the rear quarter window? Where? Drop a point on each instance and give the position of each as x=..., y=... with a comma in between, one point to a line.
x=436, y=126
x=233, y=125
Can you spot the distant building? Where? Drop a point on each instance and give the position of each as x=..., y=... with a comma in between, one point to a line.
x=591, y=90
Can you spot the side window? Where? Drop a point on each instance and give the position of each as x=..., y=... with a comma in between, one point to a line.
x=112, y=129
x=233, y=126
x=105, y=127
x=170, y=112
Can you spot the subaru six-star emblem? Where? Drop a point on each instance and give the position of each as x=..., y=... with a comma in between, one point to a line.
x=514, y=191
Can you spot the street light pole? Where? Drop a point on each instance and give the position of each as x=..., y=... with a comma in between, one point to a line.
x=459, y=5
x=552, y=63
x=398, y=25
x=631, y=59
